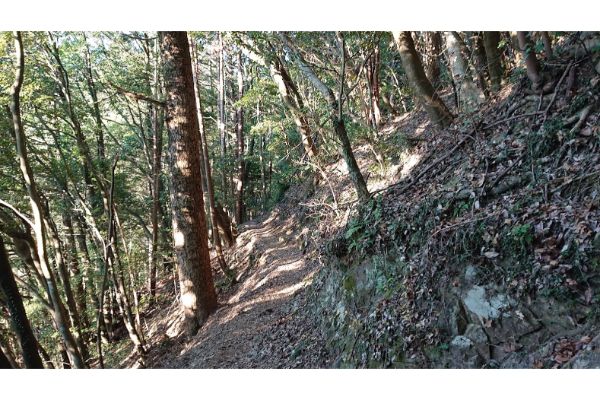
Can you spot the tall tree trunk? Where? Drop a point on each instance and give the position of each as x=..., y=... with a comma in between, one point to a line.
x=531, y=62
x=288, y=91
x=60, y=261
x=479, y=61
x=491, y=40
x=20, y=322
x=335, y=110
x=239, y=179
x=547, y=45
x=424, y=93
x=207, y=173
x=5, y=361
x=433, y=45
x=157, y=142
x=78, y=277
x=37, y=211
x=221, y=114
x=468, y=93
x=198, y=296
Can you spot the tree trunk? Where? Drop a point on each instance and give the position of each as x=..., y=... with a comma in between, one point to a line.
x=424, y=93
x=37, y=211
x=20, y=322
x=531, y=62
x=221, y=113
x=433, y=42
x=239, y=179
x=76, y=273
x=290, y=95
x=469, y=94
x=491, y=40
x=547, y=45
x=336, y=116
x=198, y=296
x=479, y=61
x=206, y=172
x=157, y=142
x=60, y=261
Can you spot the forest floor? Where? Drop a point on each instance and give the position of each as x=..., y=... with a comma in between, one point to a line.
x=251, y=328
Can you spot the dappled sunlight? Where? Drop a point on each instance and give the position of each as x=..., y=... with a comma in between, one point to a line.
x=409, y=161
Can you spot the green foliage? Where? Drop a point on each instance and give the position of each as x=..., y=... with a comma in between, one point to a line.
x=361, y=230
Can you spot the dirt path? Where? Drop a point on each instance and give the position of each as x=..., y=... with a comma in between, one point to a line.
x=257, y=325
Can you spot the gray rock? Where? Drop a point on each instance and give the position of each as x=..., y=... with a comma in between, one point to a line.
x=480, y=340
x=479, y=303
x=470, y=273
x=461, y=343
x=596, y=241
x=587, y=360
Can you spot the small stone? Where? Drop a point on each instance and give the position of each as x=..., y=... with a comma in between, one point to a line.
x=479, y=304
x=470, y=273
x=461, y=342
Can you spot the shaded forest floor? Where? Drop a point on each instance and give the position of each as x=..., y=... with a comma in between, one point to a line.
x=480, y=249
x=251, y=328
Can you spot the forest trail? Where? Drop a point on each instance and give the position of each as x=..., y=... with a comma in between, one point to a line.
x=252, y=315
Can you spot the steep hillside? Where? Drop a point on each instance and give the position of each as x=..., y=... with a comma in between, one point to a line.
x=480, y=247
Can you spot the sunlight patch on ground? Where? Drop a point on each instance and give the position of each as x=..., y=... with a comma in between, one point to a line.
x=408, y=163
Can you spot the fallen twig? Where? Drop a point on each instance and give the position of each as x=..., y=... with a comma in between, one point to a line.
x=583, y=114
x=533, y=114
x=433, y=164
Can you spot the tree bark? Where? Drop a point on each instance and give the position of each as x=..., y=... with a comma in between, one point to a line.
x=239, y=179
x=336, y=117
x=433, y=42
x=288, y=91
x=469, y=94
x=423, y=91
x=20, y=322
x=547, y=45
x=221, y=113
x=208, y=174
x=531, y=62
x=37, y=211
x=491, y=40
x=198, y=296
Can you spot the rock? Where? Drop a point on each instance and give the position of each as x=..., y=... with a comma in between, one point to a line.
x=596, y=241
x=461, y=343
x=470, y=273
x=484, y=306
x=587, y=360
x=476, y=334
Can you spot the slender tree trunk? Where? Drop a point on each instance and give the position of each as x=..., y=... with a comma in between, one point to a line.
x=491, y=40
x=36, y=208
x=335, y=109
x=60, y=261
x=221, y=113
x=14, y=303
x=288, y=91
x=198, y=296
x=207, y=173
x=424, y=93
x=531, y=62
x=479, y=61
x=76, y=274
x=547, y=45
x=468, y=93
x=156, y=172
x=433, y=45
x=239, y=179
